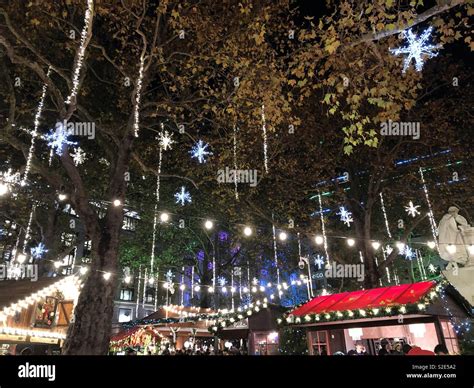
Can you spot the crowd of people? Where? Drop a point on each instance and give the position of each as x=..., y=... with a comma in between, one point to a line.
x=388, y=348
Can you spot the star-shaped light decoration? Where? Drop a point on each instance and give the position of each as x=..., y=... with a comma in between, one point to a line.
x=57, y=139
x=79, y=156
x=165, y=140
x=200, y=152
x=417, y=48
x=183, y=196
x=222, y=282
x=408, y=252
x=319, y=261
x=346, y=216
x=432, y=268
x=38, y=251
x=412, y=210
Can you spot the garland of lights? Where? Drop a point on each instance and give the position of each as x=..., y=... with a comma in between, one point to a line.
x=372, y=312
x=434, y=227
x=265, y=145
x=82, y=50
x=275, y=254
x=136, y=108
x=28, y=228
x=236, y=317
x=34, y=133
x=385, y=216
x=323, y=228
x=235, y=164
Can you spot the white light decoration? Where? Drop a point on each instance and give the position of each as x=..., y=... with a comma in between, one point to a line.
x=412, y=210
x=107, y=275
x=78, y=156
x=3, y=189
x=136, y=107
x=451, y=248
x=86, y=30
x=21, y=258
x=7, y=180
x=62, y=196
x=83, y=270
x=275, y=253
x=247, y=231
x=282, y=236
x=183, y=196
x=346, y=216
x=165, y=139
x=211, y=290
x=387, y=227
x=319, y=240
x=416, y=49
x=28, y=228
x=182, y=287
x=208, y=224
x=431, y=244
x=400, y=246
x=323, y=227
x=57, y=139
x=408, y=252
x=117, y=202
x=236, y=188
x=265, y=145
x=34, y=133
x=151, y=281
x=57, y=264
x=164, y=217
x=38, y=251
x=319, y=262
x=432, y=268
x=197, y=288
x=376, y=245
x=434, y=227
x=350, y=242
x=200, y=152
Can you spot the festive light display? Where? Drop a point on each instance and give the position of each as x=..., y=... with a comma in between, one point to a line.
x=82, y=50
x=200, y=152
x=321, y=214
x=411, y=209
x=58, y=139
x=346, y=216
x=183, y=196
x=265, y=145
x=416, y=49
x=387, y=227
x=38, y=251
x=236, y=184
x=434, y=228
x=78, y=156
x=136, y=107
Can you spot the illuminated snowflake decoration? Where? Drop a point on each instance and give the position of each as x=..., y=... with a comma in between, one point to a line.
x=255, y=281
x=416, y=49
x=200, y=152
x=412, y=210
x=182, y=196
x=169, y=276
x=79, y=156
x=222, y=282
x=58, y=139
x=432, y=268
x=9, y=177
x=165, y=140
x=408, y=252
x=346, y=216
x=319, y=261
x=38, y=251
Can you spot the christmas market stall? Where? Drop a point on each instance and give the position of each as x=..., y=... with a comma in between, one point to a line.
x=35, y=315
x=169, y=329
x=253, y=329
x=424, y=314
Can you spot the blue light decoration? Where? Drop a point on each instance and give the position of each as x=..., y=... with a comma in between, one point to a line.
x=38, y=251
x=319, y=262
x=416, y=48
x=200, y=152
x=222, y=281
x=408, y=252
x=169, y=276
x=346, y=216
x=58, y=138
x=182, y=196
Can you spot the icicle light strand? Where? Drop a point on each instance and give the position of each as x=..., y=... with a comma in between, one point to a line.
x=81, y=52
x=236, y=189
x=265, y=145
x=323, y=228
x=434, y=227
x=385, y=216
x=136, y=114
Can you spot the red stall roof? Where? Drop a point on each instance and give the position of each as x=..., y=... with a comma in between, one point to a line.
x=376, y=297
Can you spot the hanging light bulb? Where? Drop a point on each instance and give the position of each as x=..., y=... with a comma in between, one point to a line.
x=350, y=242
x=319, y=240
x=21, y=258
x=451, y=248
x=83, y=270
x=211, y=289
x=375, y=245
x=282, y=236
x=164, y=217
x=248, y=231
x=62, y=196
x=431, y=244
x=197, y=288
x=254, y=289
x=208, y=224
x=224, y=290
x=151, y=281
x=117, y=202
x=107, y=275
x=400, y=246
x=182, y=287
x=245, y=289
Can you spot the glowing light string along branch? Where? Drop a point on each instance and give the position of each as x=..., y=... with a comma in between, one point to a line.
x=275, y=254
x=434, y=227
x=136, y=113
x=165, y=141
x=235, y=164
x=34, y=134
x=323, y=228
x=28, y=228
x=265, y=145
x=385, y=216
x=85, y=36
